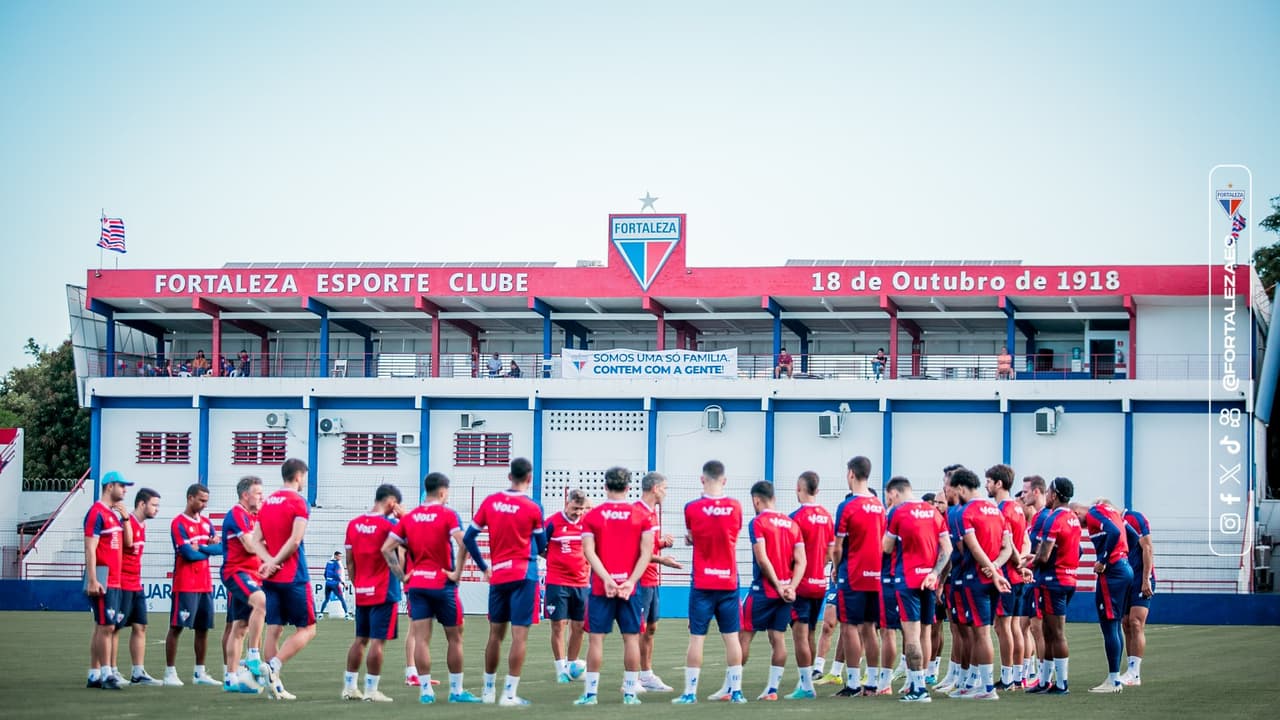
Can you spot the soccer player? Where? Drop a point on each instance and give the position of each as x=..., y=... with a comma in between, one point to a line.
x=917, y=540
x=193, y=544
x=1142, y=558
x=333, y=586
x=817, y=530
x=434, y=553
x=1105, y=525
x=282, y=525
x=999, y=480
x=860, y=523
x=951, y=515
x=890, y=620
x=568, y=577
x=1033, y=499
x=653, y=488
x=713, y=522
x=103, y=543
x=933, y=656
x=1056, y=561
x=377, y=593
x=777, y=570
x=133, y=602
x=625, y=531
x=516, y=538
x=978, y=582
x=246, y=603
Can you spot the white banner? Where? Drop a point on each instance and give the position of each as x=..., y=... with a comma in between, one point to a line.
x=648, y=363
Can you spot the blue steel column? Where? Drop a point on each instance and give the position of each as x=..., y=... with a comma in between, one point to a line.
x=886, y=448
x=111, y=340
x=804, y=353
x=313, y=444
x=95, y=445
x=324, y=346
x=537, y=444
x=769, y=433
x=424, y=445
x=546, y=352
x=652, y=447
x=202, y=464
x=1006, y=421
x=368, y=356
x=1128, y=459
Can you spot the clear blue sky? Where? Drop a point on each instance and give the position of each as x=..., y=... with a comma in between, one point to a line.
x=508, y=130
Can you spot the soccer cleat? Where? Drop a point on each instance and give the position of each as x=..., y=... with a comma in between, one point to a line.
x=203, y=679
x=962, y=693
x=350, y=693
x=1131, y=680
x=276, y=686
x=463, y=697
x=254, y=666
x=93, y=684
x=577, y=668
x=173, y=681
x=736, y=698
x=882, y=691
x=630, y=699
x=930, y=679
x=918, y=695
x=653, y=683
x=121, y=680
x=145, y=680
x=434, y=682
x=817, y=675
x=489, y=696
x=719, y=696
x=1055, y=690
x=427, y=699
x=563, y=678
x=247, y=688
x=802, y=694
x=829, y=680
x=411, y=680
x=944, y=688
x=1038, y=689
x=514, y=701
x=983, y=694
x=847, y=691
x=769, y=694
x=587, y=699
x=686, y=699
x=1107, y=687
x=110, y=683
x=377, y=696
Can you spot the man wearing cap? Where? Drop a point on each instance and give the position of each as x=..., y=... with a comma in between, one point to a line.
x=104, y=540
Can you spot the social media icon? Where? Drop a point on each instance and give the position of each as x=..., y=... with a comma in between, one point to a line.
x=1229, y=523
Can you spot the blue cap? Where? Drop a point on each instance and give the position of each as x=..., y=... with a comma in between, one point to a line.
x=114, y=477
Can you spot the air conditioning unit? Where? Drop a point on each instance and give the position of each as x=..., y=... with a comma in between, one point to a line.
x=408, y=439
x=829, y=424
x=277, y=420
x=1046, y=421
x=330, y=425
x=465, y=420
x=714, y=417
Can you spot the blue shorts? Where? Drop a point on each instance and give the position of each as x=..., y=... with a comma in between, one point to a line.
x=917, y=605
x=975, y=603
x=719, y=604
x=333, y=590
x=106, y=608
x=648, y=603
x=855, y=607
x=1053, y=601
x=890, y=617
x=513, y=602
x=1029, y=607
x=240, y=586
x=1135, y=598
x=565, y=602
x=289, y=603
x=761, y=612
x=443, y=604
x=133, y=608
x=1112, y=591
x=377, y=622
x=192, y=610
x=1010, y=603
x=603, y=611
x=807, y=610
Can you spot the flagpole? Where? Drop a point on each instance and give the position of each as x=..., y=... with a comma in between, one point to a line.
x=102, y=220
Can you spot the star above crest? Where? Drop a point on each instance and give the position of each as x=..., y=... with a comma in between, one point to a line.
x=648, y=202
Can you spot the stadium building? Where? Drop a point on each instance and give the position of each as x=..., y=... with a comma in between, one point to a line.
x=380, y=372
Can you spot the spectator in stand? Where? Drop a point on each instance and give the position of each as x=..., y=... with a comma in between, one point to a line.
x=200, y=366
x=514, y=370
x=228, y=367
x=878, y=362
x=244, y=363
x=167, y=370
x=1004, y=364
x=494, y=366
x=784, y=363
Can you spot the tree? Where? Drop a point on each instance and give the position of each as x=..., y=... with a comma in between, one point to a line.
x=1266, y=260
x=42, y=399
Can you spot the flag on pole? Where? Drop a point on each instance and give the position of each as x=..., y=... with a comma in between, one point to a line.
x=112, y=234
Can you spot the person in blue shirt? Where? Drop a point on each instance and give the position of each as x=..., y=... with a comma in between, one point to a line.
x=333, y=585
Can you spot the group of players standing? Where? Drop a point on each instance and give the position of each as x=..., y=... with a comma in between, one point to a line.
x=880, y=570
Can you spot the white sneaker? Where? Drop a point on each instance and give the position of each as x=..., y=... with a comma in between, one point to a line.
x=350, y=693
x=172, y=680
x=653, y=683
x=121, y=680
x=1131, y=680
x=276, y=686
x=377, y=696
x=1108, y=687
x=514, y=701
x=204, y=679
x=489, y=696
x=719, y=696
x=982, y=694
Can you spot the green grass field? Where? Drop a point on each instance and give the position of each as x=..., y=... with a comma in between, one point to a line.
x=1190, y=671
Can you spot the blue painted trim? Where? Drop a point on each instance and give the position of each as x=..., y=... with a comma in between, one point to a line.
x=480, y=404
x=886, y=445
x=145, y=403
x=629, y=404
x=652, y=447
x=946, y=406
x=804, y=353
x=816, y=406
x=313, y=455
x=546, y=347
x=1069, y=406
x=582, y=341
x=1128, y=459
x=355, y=403
x=1010, y=327
x=368, y=356
x=1184, y=406
x=202, y=461
x=95, y=445
x=769, y=433
x=424, y=445
x=1051, y=375
x=698, y=404
x=1006, y=431
x=254, y=403
x=537, y=450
